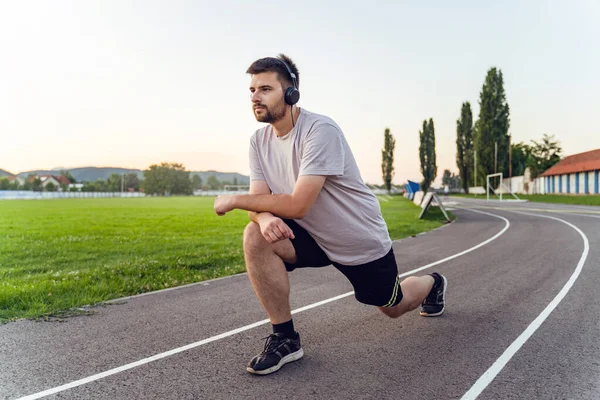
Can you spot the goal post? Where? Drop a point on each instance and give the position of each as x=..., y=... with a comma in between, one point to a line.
x=500, y=187
x=487, y=189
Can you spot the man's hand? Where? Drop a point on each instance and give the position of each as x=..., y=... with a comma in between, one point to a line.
x=274, y=229
x=224, y=204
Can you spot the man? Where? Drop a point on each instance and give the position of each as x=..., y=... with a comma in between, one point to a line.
x=310, y=208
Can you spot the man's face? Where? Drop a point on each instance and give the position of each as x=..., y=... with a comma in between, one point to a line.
x=268, y=104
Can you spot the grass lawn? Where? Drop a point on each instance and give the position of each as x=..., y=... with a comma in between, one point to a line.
x=56, y=255
x=584, y=200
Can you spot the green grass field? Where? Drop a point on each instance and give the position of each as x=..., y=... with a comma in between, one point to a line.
x=56, y=255
x=587, y=200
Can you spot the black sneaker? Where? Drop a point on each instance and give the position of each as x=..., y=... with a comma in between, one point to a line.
x=434, y=303
x=279, y=350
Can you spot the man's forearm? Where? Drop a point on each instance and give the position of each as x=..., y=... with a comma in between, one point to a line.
x=280, y=205
x=254, y=216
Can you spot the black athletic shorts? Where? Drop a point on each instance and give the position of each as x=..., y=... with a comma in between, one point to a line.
x=375, y=283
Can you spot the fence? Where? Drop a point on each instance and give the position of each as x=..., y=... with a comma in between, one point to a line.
x=31, y=195
x=218, y=192
x=520, y=185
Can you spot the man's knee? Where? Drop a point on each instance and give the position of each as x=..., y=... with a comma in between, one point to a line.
x=255, y=244
x=397, y=310
x=253, y=238
x=391, y=312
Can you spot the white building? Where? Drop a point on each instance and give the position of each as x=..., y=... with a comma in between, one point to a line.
x=576, y=174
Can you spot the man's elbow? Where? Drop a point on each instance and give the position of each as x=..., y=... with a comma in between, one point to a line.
x=301, y=211
x=297, y=208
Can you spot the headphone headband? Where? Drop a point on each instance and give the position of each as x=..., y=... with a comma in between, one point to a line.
x=292, y=75
x=292, y=94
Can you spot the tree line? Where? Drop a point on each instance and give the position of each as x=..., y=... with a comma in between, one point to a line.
x=172, y=178
x=482, y=148
x=159, y=179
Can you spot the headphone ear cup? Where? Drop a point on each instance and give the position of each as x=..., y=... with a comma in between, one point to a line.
x=292, y=95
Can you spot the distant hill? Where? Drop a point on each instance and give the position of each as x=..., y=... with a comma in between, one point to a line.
x=223, y=176
x=5, y=173
x=90, y=174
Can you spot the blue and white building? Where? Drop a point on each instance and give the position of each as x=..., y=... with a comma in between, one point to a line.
x=576, y=174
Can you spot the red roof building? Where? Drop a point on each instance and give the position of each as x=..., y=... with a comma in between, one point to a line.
x=62, y=179
x=576, y=174
x=57, y=179
x=582, y=162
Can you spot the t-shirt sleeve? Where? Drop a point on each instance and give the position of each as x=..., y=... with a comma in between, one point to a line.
x=256, y=172
x=323, y=152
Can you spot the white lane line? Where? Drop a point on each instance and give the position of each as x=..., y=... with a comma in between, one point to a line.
x=468, y=250
x=581, y=213
x=159, y=356
x=586, y=215
x=489, y=375
x=552, y=210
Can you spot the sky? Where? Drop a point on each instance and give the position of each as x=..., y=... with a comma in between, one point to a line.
x=134, y=83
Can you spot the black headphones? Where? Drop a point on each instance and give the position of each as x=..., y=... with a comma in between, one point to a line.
x=292, y=95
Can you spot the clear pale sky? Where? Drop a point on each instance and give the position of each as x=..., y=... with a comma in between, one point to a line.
x=132, y=83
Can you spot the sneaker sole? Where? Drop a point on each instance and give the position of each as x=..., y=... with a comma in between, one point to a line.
x=423, y=314
x=287, y=359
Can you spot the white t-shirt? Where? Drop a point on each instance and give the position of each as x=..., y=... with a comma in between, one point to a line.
x=345, y=219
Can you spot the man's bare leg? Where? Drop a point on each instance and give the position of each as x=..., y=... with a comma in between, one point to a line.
x=414, y=290
x=267, y=273
x=269, y=279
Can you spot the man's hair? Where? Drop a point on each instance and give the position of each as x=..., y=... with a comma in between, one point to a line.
x=272, y=64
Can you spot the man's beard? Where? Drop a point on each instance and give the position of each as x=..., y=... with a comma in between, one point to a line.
x=271, y=116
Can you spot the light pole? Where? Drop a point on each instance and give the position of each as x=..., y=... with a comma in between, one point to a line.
x=475, y=168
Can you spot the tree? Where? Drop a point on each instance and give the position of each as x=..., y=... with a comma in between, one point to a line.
x=213, y=183
x=4, y=183
x=114, y=182
x=520, y=158
x=131, y=181
x=427, y=154
x=167, y=179
x=235, y=180
x=102, y=186
x=36, y=185
x=474, y=179
x=492, y=129
x=68, y=175
x=446, y=177
x=464, y=144
x=453, y=181
x=387, y=159
x=88, y=187
x=51, y=187
x=124, y=181
x=196, y=182
x=544, y=154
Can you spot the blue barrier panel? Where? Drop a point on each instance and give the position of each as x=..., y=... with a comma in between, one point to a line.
x=412, y=188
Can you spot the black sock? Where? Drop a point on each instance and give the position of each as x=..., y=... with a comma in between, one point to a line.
x=286, y=328
x=437, y=280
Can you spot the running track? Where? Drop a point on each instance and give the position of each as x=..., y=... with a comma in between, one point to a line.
x=522, y=321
